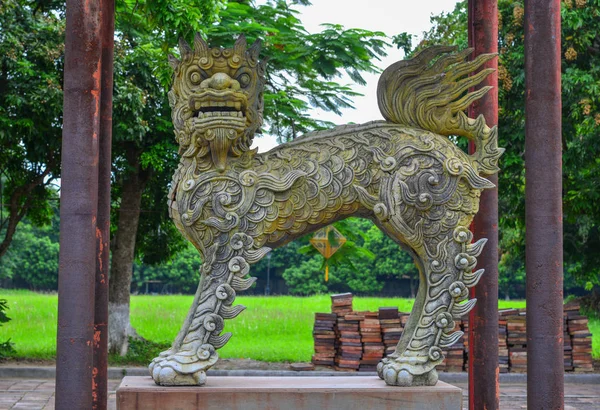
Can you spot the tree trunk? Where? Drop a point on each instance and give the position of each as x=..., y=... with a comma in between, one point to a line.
x=18, y=206
x=413, y=290
x=123, y=253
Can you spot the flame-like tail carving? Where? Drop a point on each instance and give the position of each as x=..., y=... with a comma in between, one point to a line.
x=433, y=96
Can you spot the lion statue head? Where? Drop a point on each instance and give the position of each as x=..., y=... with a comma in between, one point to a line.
x=216, y=99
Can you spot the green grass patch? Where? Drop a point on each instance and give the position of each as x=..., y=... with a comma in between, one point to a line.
x=594, y=326
x=33, y=325
x=275, y=329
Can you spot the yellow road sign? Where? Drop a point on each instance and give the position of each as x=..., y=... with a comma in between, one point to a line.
x=328, y=241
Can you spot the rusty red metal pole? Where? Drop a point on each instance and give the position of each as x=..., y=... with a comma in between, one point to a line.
x=78, y=206
x=100, y=370
x=543, y=205
x=483, y=319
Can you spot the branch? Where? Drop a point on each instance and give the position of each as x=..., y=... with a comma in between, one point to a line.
x=16, y=211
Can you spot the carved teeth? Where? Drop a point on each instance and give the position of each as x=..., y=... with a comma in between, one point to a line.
x=238, y=106
x=234, y=114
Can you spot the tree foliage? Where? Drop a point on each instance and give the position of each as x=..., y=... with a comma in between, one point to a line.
x=31, y=63
x=6, y=347
x=32, y=260
x=370, y=260
x=580, y=50
x=301, y=69
x=301, y=74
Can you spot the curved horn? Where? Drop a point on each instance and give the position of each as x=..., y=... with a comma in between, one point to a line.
x=173, y=62
x=255, y=49
x=240, y=45
x=200, y=46
x=184, y=49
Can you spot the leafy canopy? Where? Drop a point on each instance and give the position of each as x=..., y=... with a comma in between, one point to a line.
x=580, y=50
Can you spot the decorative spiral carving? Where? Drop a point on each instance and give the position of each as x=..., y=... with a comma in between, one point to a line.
x=464, y=261
x=457, y=290
x=205, y=351
x=225, y=293
x=455, y=166
x=239, y=266
x=444, y=320
x=241, y=240
x=381, y=212
x=435, y=353
x=248, y=178
x=462, y=235
x=213, y=323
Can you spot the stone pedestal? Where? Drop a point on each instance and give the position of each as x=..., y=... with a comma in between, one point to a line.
x=285, y=393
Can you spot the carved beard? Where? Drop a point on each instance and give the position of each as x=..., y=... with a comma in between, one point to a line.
x=222, y=139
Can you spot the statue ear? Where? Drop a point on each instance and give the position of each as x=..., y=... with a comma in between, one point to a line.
x=173, y=62
x=200, y=46
x=184, y=49
x=240, y=45
x=255, y=49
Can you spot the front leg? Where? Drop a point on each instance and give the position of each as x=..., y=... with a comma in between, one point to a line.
x=194, y=350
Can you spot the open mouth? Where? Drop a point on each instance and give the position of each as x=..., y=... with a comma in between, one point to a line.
x=219, y=108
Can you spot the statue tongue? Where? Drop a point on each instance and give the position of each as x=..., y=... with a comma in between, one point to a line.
x=220, y=140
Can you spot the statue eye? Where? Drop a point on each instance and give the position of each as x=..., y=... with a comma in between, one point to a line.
x=195, y=77
x=244, y=80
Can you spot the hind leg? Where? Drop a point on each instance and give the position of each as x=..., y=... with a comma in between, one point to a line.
x=445, y=270
x=194, y=350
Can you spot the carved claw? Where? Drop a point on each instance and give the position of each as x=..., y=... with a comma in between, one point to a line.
x=397, y=371
x=184, y=368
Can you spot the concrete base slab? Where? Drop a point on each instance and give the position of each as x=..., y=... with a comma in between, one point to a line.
x=274, y=393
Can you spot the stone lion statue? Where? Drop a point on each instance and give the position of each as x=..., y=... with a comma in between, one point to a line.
x=403, y=173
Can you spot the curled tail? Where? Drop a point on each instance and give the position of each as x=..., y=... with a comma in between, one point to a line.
x=433, y=96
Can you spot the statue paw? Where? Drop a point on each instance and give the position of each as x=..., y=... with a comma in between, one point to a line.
x=183, y=368
x=398, y=371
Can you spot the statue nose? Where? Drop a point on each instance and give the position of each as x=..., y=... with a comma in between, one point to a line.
x=220, y=81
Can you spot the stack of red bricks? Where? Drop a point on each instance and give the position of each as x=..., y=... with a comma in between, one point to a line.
x=392, y=323
x=372, y=341
x=516, y=326
x=351, y=341
x=341, y=304
x=581, y=338
x=502, y=344
x=349, y=346
x=325, y=339
x=568, y=346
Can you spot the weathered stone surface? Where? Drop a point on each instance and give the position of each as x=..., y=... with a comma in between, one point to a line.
x=404, y=174
x=274, y=393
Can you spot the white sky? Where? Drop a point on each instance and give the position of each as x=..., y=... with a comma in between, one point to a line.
x=390, y=16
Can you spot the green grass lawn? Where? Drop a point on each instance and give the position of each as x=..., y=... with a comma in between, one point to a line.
x=271, y=329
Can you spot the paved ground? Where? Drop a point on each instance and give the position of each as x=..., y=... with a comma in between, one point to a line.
x=39, y=394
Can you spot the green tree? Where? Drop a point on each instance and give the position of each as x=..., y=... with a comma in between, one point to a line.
x=302, y=71
x=306, y=278
x=32, y=260
x=581, y=131
x=300, y=74
x=179, y=274
x=363, y=265
x=391, y=261
x=31, y=63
